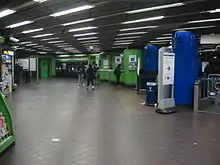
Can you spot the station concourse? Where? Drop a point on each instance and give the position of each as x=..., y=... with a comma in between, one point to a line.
x=152, y=96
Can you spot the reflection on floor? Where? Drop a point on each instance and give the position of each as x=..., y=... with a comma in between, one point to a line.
x=108, y=126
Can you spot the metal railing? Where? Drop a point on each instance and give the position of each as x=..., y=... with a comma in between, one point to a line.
x=206, y=95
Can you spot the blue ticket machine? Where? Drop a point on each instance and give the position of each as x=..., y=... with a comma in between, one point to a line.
x=151, y=93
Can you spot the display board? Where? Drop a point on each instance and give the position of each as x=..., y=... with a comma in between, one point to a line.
x=105, y=63
x=168, y=68
x=33, y=64
x=118, y=60
x=24, y=63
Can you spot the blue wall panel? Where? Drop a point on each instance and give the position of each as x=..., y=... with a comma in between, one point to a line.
x=151, y=56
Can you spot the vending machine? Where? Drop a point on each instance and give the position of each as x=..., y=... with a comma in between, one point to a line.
x=7, y=71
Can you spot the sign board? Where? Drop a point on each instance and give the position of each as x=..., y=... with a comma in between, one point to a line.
x=168, y=68
x=118, y=60
x=105, y=64
x=132, y=58
x=24, y=63
x=33, y=64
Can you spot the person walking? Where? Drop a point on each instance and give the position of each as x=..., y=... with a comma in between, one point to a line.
x=90, y=72
x=80, y=70
x=117, y=73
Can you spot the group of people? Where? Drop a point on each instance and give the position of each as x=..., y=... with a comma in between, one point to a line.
x=90, y=74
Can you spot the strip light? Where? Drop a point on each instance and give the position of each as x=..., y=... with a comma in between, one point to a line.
x=78, y=22
x=139, y=28
x=40, y=1
x=88, y=38
x=31, y=44
x=214, y=11
x=26, y=42
x=60, y=44
x=205, y=20
x=73, y=10
x=48, y=39
x=168, y=34
x=6, y=12
x=85, y=34
x=127, y=34
x=82, y=29
x=144, y=20
x=155, y=8
x=194, y=28
x=31, y=31
x=162, y=38
x=43, y=35
x=119, y=47
x=123, y=43
x=54, y=42
x=19, y=24
x=160, y=41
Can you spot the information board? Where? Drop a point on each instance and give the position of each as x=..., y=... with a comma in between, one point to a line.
x=168, y=68
x=33, y=64
x=24, y=63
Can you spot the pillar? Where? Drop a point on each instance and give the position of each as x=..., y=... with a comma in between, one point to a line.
x=151, y=57
x=185, y=45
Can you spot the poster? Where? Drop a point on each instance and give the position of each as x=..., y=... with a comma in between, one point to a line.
x=132, y=58
x=24, y=63
x=33, y=64
x=105, y=64
x=168, y=68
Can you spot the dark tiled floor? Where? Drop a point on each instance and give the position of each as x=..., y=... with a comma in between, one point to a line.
x=106, y=127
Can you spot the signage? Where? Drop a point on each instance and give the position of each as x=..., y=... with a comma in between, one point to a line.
x=33, y=64
x=132, y=58
x=168, y=68
x=118, y=60
x=24, y=63
x=8, y=52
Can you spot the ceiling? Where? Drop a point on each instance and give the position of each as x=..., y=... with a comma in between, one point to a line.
x=108, y=22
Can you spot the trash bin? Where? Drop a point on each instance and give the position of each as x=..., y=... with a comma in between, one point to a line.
x=151, y=93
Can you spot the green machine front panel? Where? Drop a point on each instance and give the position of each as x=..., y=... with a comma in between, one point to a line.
x=130, y=76
x=44, y=68
x=7, y=134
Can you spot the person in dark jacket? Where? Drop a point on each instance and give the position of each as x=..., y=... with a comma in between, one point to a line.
x=81, y=71
x=90, y=72
x=117, y=73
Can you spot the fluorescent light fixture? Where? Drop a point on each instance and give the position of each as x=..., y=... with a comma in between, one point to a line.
x=160, y=41
x=168, y=34
x=54, y=42
x=88, y=38
x=31, y=50
x=89, y=44
x=64, y=46
x=73, y=10
x=82, y=29
x=38, y=46
x=214, y=11
x=31, y=44
x=194, y=28
x=163, y=38
x=155, y=8
x=127, y=34
x=85, y=34
x=91, y=41
x=124, y=38
x=19, y=24
x=31, y=31
x=78, y=22
x=124, y=41
x=205, y=20
x=26, y=42
x=119, y=47
x=138, y=28
x=64, y=55
x=6, y=12
x=144, y=20
x=70, y=48
x=43, y=35
x=80, y=55
x=14, y=39
x=42, y=52
x=40, y=1
x=48, y=39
